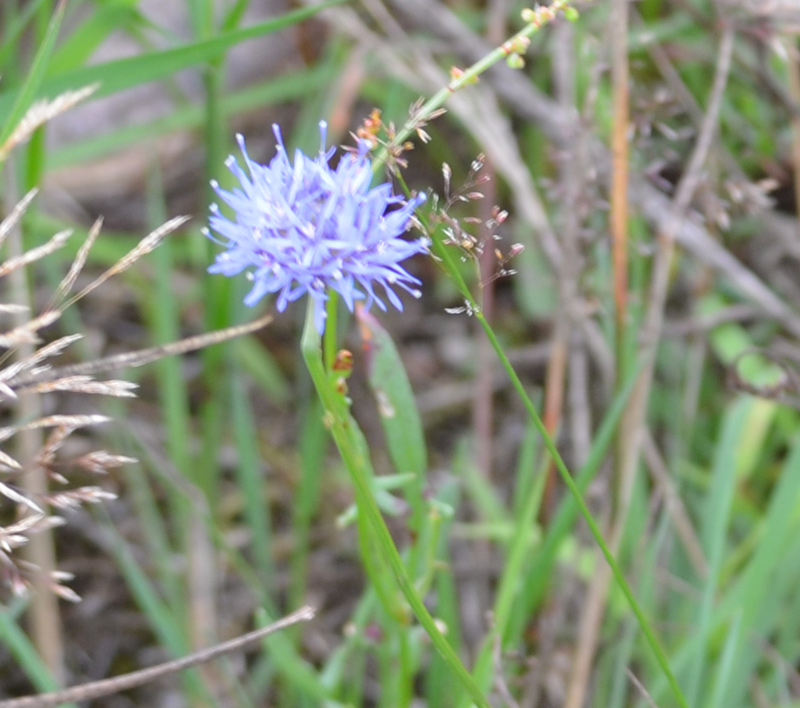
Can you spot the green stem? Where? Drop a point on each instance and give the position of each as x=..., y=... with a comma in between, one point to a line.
x=345, y=434
x=538, y=18
x=443, y=253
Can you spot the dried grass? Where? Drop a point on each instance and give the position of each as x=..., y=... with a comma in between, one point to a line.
x=28, y=378
x=23, y=512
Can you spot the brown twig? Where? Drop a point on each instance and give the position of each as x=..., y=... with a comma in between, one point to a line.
x=137, y=358
x=528, y=103
x=482, y=412
x=572, y=182
x=107, y=687
x=640, y=687
x=618, y=223
x=674, y=505
x=793, y=71
x=632, y=426
x=669, y=228
x=618, y=215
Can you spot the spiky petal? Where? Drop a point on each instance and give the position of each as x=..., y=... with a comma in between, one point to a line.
x=302, y=227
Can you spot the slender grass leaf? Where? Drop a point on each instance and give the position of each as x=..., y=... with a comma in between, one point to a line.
x=14, y=104
x=715, y=522
x=21, y=648
x=9, y=44
x=395, y=398
x=122, y=74
x=107, y=17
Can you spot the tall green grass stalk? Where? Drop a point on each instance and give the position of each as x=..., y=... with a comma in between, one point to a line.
x=378, y=544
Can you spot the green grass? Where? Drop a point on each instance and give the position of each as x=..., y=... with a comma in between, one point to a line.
x=240, y=509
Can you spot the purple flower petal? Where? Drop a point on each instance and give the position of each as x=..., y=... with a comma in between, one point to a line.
x=302, y=228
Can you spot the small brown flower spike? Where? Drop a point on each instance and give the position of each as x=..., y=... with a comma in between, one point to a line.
x=458, y=232
x=376, y=134
x=370, y=128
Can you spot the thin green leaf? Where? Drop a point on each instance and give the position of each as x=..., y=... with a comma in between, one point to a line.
x=108, y=17
x=395, y=398
x=15, y=104
x=122, y=74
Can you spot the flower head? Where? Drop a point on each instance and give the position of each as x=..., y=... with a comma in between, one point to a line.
x=303, y=227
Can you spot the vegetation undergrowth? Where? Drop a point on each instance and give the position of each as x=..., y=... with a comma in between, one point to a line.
x=567, y=470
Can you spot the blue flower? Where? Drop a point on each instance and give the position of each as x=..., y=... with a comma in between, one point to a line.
x=303, y=227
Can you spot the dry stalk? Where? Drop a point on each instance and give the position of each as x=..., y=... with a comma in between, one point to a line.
x=482, y=410
x=108, y=687
x=478, y=590
x=669, y=228
x=527, y=103
x=573, y=185
x=618, y=216
x=25, y=499
x=640, y=688
x=793, y=72
x=633, y=422
x=133, y=359
x=38, y=549
x=674, y=505
x=28, y=376
x=34, y=483
x=42, y=112
x=592, y=616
